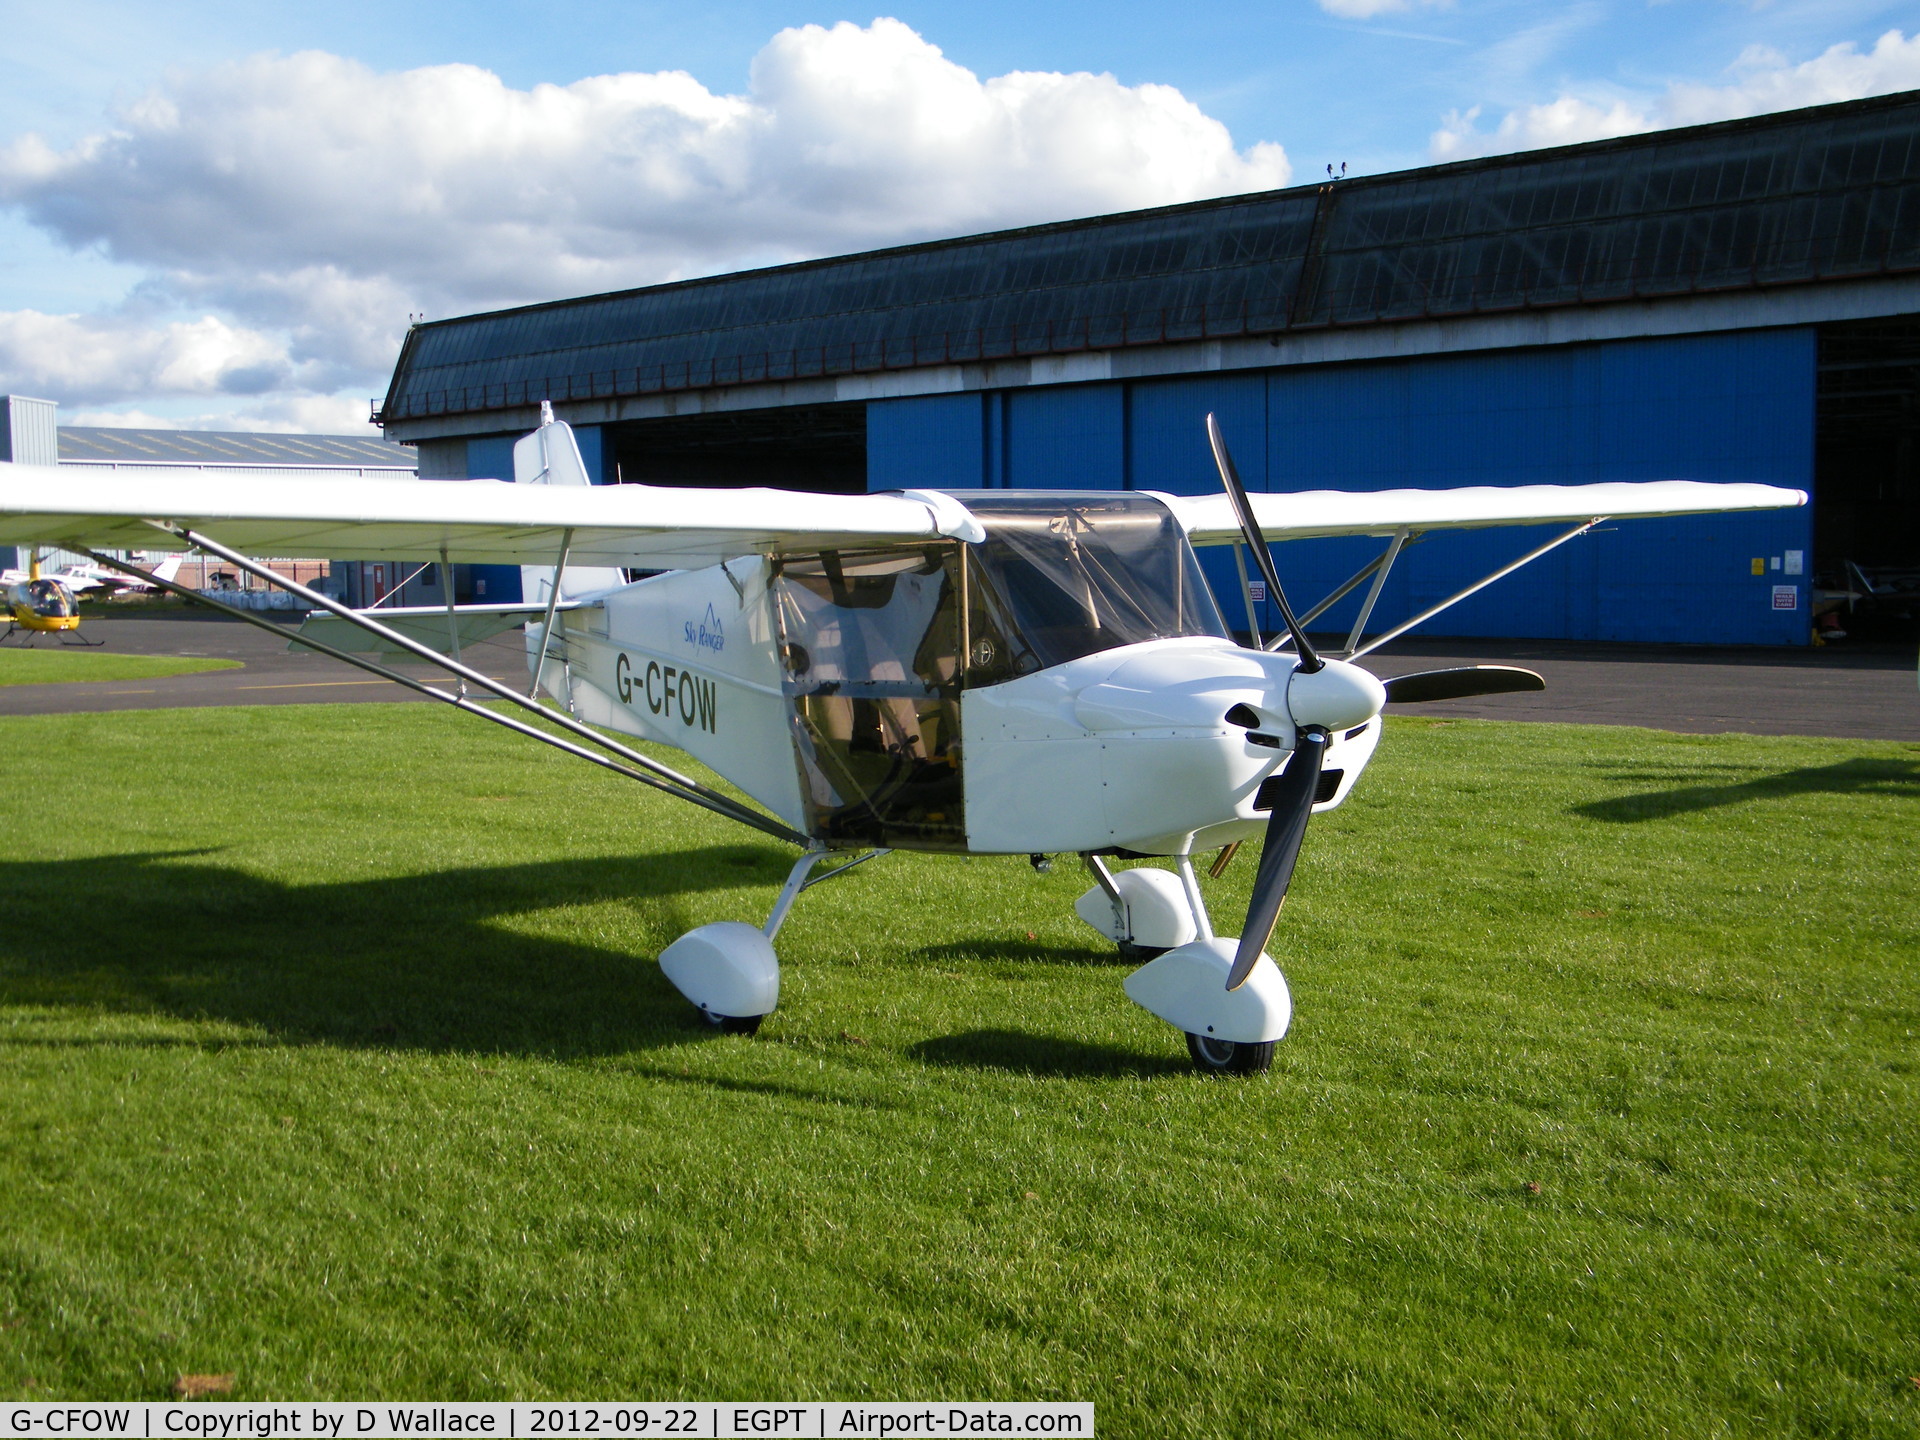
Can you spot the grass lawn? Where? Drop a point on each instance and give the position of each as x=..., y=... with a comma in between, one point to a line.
x=333, y=1053
x=53, y=663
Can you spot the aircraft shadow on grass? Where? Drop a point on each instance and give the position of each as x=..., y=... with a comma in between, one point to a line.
x=413, y=962
x=1050, y=1056
x=1024, y=952
x=1861, y=775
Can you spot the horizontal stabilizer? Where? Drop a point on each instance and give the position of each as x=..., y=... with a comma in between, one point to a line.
x=425, y=624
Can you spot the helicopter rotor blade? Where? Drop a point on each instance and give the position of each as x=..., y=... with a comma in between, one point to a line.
x=1286, y=828
x=1256, y=539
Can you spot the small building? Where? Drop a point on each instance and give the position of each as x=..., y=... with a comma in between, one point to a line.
x=33, y=436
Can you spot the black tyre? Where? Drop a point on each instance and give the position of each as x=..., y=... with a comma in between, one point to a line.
x=1229, y=1057
x=738, y=1024
x=1140, y=954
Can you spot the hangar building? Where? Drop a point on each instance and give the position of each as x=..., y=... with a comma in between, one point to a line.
x=1738, y=301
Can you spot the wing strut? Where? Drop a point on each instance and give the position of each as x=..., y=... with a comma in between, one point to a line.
x=546, y=622
x=1373, y=591
x=453, y=614
x=1478, y=585
x=1246, y=594
x=647, y=771
x=1346, y=588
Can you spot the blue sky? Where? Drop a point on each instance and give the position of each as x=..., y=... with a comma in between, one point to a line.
x=202, y=235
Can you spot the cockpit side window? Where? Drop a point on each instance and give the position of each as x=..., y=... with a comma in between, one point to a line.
x=878, y=646
x=871, y=646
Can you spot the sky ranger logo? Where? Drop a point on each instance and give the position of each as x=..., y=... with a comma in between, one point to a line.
x=667, y=691
x=706, y=632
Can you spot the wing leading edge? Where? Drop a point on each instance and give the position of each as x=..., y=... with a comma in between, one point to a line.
x=478, y=521
x=1317, y=514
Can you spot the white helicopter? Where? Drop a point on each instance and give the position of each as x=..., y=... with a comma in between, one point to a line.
x=998, y=672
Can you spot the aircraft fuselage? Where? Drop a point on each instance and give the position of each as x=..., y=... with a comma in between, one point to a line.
x=1067, y=686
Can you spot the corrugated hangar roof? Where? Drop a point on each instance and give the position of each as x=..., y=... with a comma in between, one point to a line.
x=228, y=447
x=1808, y=195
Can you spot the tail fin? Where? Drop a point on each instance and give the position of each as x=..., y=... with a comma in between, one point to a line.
x=551, y=456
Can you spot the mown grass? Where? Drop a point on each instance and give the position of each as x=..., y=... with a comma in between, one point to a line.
x=57, y=663
x=333, y=1053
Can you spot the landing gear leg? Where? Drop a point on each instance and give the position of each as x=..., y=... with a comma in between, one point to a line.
x=1229, y=1032
x=1211, y=1056
x=728, y=969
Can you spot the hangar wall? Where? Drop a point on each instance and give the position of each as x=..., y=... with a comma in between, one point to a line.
x=1736, y=406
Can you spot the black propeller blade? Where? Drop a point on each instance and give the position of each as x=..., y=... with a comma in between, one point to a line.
x=1286, y=828
x=1310, y=660
x=1459, y=683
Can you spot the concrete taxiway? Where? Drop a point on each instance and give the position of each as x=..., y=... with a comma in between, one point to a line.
x=1866, y=692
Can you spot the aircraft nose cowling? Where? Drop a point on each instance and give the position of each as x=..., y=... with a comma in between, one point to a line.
x=1336, y=697
x=1186, y=687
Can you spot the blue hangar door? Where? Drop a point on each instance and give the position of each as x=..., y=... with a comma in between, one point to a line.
x=1713, y=407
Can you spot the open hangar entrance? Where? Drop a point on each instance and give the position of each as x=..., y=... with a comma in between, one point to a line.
x=820, y=448
x=1866, y=495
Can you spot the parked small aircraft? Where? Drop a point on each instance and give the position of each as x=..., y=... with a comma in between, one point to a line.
x=85, y=579
x=994, y=672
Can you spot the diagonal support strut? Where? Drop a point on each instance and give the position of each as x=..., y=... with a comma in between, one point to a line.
x=674, y=782
x=1475, y=588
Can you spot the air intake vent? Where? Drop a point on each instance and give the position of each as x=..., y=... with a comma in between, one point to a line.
x=1269, y=790
x=1243, y=716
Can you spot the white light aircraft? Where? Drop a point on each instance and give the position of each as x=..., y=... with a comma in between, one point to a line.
x=79, y=579
x=994, y=672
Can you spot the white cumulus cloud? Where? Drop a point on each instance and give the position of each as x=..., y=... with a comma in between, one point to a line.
x=312, y=202
x=103, y=359
x=1763, y=80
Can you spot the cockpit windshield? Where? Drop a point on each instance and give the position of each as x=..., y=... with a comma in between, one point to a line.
x=49, y=598
x=1064, y=575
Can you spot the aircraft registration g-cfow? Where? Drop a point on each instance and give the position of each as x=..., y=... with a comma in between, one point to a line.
x=667, y=691
x=1015, y=672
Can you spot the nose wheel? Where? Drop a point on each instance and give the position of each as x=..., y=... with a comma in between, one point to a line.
x=1229, y=1057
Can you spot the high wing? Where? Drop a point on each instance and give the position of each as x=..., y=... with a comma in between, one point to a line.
x=1315, y=514
x=477, y=521
x=665, y=527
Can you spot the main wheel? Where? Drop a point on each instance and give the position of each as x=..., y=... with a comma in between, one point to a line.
x=740, y=1024
x=1140, y=954
x=1229, y=1057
